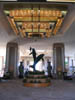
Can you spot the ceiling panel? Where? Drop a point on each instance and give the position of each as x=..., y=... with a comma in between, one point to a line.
x=35, y=21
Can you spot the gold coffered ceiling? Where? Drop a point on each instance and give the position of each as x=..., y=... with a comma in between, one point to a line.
x=35, y=21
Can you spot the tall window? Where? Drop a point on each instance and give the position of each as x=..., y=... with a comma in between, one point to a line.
x=2, y=60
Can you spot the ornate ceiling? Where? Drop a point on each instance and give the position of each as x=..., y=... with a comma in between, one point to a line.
x=36, y=21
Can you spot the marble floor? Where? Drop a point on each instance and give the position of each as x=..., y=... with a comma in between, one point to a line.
x=59, y=90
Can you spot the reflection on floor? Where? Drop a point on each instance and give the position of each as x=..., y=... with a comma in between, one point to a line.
x=59, y=90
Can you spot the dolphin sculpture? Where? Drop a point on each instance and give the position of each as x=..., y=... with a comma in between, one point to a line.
x=37, y=59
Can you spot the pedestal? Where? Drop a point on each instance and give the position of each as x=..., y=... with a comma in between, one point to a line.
x=36, y=79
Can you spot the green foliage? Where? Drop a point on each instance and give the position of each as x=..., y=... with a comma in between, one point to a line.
x=24, y=80
x=36, y=77
x=31, y=81
x=39, y=81
x=48, y=80
x=36, y=73
x=8, y=75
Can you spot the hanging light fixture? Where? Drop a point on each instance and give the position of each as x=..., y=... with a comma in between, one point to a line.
x=39, y=22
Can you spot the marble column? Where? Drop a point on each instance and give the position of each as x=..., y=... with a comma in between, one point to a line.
x=12, y=58
x=59, y=59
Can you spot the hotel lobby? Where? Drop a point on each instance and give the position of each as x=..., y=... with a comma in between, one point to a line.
x=48, y=27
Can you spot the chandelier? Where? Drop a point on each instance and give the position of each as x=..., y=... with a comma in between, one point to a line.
x=35, y=22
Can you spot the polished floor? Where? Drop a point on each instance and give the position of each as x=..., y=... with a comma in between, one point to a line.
x=59, y=90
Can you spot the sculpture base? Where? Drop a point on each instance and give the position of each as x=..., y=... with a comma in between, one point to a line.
x=36, y=79
x=37, y=84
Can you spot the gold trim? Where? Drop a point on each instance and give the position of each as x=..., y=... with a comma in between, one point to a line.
x=11, y=21
x=49, y=21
